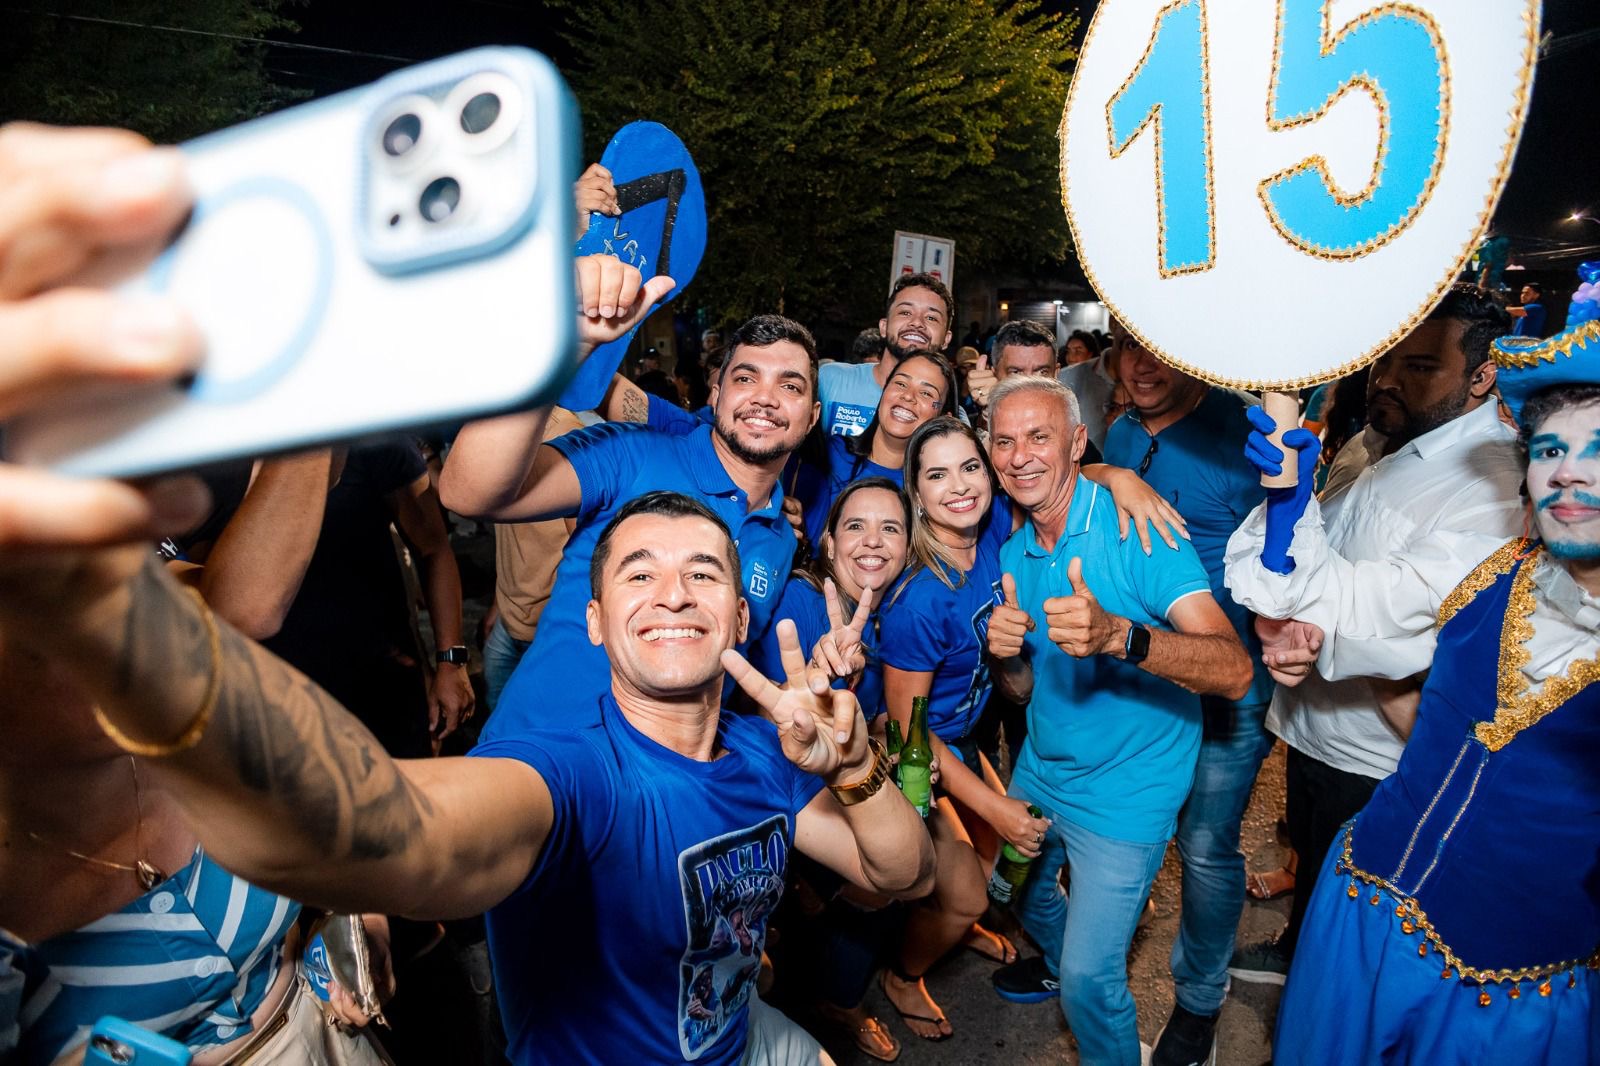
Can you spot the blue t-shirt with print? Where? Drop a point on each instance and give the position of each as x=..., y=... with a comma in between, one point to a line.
x=808, y=609
x=1109, y=746
x=1199, y=466
x=816, y=494
x=562, y=672
x=637, y=936
x=849, y=393
x=926, y=626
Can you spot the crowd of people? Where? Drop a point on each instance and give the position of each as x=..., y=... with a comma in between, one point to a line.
x=717, y=602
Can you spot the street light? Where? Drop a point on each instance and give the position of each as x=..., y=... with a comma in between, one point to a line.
x=1579, y=216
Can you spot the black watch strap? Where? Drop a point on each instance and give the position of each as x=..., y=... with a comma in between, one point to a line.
x=457, y=655
x=1138, y=645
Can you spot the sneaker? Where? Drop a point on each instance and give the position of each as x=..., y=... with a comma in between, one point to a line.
x=1026, y=981
x=1262, y=964
x=1188, y=1039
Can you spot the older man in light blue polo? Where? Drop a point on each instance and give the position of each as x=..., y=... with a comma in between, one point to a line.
x=1113, y=647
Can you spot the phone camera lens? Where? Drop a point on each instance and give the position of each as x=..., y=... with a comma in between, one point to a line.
x=440, y=199
x=480, y=112
x=402, y=135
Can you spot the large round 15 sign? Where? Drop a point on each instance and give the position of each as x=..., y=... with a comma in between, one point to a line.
x=1269, y=193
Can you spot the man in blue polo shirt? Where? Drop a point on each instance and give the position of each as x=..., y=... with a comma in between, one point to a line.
x=765, y=403
x=1105, y=639
x=1181, y=436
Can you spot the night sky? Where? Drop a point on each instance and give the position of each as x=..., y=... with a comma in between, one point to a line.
x=1547, y=182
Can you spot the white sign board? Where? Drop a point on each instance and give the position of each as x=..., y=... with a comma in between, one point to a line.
x=917, y=253
x=1269, y=193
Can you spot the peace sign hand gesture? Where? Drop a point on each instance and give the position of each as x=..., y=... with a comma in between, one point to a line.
x=821, y=728
x=840, y=652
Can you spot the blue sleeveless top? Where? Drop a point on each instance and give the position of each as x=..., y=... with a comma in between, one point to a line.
x=191, y=959
x=1493, y=782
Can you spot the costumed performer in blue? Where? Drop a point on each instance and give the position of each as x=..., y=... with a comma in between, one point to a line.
x=1457, y=921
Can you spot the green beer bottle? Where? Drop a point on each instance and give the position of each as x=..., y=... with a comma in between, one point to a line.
x=1010, y=869
x=896, y=742
x=916, y=758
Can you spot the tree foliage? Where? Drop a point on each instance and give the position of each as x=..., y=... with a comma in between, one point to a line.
x=130, y=63
x=822, y=127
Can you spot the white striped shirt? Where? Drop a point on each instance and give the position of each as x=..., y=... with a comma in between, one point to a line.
x=191, y=959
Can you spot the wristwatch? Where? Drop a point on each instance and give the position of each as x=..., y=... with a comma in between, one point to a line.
x=1138, y=645
x=868, y=786
x=457, y=655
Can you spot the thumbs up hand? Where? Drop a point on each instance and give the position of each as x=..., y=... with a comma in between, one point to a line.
x=980, y=379
x=1078, y=625
x=1009, y=625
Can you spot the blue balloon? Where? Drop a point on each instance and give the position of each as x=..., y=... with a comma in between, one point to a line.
x=662, y=230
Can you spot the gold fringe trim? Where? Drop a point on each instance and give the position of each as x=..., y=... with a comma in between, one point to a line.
x=1416, y=919
x=1516, y=709
x=1519, y=353
x=1482, y=576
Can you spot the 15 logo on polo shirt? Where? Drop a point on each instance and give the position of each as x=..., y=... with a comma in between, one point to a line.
x=760, y=583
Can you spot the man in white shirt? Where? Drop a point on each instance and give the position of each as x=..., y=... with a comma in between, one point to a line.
x=1370, y=567
x=919, y=317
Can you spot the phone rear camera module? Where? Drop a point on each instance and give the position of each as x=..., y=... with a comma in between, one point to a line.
x=440, y=199
x=480, y=113
x=401, y=135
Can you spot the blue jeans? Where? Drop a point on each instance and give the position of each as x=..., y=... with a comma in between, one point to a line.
x=501, y=654
x=1110, y=881
x=1234, y=744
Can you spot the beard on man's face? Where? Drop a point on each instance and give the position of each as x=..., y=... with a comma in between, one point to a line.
x=727, y=430
x=1397, y=421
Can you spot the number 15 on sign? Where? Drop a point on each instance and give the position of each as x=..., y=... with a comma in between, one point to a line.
x=1232, y=153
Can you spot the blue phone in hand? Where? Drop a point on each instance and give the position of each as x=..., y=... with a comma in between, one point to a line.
x=395, y=256
x=114, y=1042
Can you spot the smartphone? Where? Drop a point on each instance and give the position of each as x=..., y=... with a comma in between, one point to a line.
x=395, y=256
x=114, y=1042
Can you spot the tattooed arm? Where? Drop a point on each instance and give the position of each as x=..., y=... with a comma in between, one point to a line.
x=286, y=788
x=625, y=402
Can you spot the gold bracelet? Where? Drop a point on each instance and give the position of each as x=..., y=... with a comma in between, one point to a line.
x=868, y=786
x=202, y=718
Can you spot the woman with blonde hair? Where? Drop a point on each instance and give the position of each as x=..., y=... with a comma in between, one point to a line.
x=932, y=635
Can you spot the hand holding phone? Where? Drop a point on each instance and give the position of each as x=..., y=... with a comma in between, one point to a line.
x=391, y=257
x=84, y=198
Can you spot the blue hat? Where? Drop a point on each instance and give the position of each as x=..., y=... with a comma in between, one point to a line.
x=1531, y=364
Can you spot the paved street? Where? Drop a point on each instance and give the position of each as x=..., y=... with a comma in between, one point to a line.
x=990, y=1030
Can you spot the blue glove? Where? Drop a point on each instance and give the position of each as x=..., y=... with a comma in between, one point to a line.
x=1284, y=506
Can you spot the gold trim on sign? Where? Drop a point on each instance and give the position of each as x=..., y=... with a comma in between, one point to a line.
x=1319, y=163
x=1518, y=112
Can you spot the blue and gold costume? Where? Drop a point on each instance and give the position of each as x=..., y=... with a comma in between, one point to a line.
x=1466, y=891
